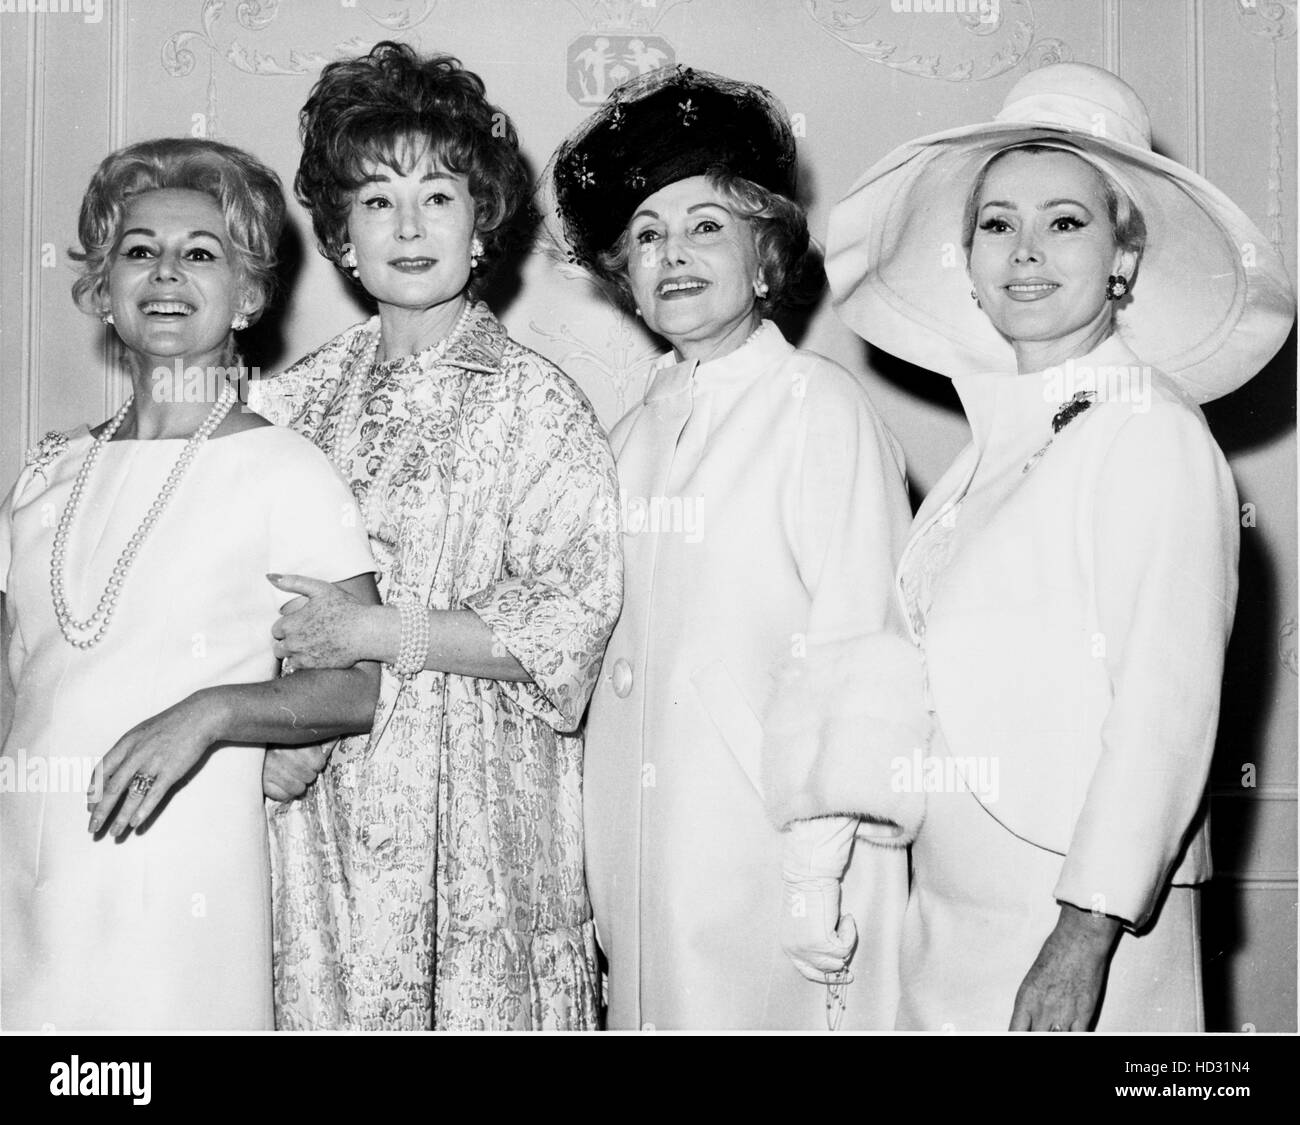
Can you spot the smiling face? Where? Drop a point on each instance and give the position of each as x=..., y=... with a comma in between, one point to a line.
x=692, y=265
x=1042, y=251
x=412, y=233
x=172, y=286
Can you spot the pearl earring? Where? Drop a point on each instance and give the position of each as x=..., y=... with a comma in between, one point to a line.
x=475, y=252
x=1116, y=287
x=760, y=289
x=349, y=259
x=239, y=323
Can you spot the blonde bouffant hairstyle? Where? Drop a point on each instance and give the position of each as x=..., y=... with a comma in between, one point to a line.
x=248, y=193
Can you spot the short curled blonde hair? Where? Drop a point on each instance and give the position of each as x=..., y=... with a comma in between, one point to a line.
x=248, y=193
x=780, y=239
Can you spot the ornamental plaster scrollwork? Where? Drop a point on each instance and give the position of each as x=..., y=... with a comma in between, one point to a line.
x=623, y=360
x=1274, y=20
x=624, y=15
x=180, y=53
x=948, y=40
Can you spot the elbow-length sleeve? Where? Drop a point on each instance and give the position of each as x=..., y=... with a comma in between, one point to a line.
x=562, y=588
x=1165, y=564
x=851, y=698
x=315, y=527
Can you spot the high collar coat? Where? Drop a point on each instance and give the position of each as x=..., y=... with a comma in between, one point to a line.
x=764, y=510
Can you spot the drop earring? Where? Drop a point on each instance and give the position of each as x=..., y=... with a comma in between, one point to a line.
x=349, y=259
x=1116, y=287
x=760, y=289
x=475, y=252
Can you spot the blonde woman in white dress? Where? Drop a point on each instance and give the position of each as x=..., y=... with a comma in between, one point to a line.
x=133, y=562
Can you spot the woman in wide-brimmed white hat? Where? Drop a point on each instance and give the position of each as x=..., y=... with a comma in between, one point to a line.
x=1071, y=579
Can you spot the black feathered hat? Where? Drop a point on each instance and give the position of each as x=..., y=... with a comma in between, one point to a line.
x=656, y=129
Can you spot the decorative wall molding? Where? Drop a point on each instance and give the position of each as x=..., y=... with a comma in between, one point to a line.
x=119, y=23
x=624, y=15
x=1259, y=880
x=618, y=45
x=33, y=152
x=1110, y=36
x=623, y=361
x=179, y=56
x=1286, y=645
x=179, y=59
x=1274, y=20
x=966, y=46
x=1196, y=86
x=1255, y=793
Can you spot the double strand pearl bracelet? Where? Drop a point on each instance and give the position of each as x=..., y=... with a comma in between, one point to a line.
x=413, y=649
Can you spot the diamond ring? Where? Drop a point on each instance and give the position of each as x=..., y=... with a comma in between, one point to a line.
x=141, y=783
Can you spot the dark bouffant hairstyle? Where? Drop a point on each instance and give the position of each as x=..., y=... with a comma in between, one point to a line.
x=389, y=107
x=248, y=193
x=780, y=239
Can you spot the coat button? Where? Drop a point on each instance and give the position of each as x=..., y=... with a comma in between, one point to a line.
x=621, y=678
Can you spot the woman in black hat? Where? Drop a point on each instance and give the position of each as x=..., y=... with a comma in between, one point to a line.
x=764, y=507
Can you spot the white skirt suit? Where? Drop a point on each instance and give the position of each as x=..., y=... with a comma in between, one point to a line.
x=1073, y=617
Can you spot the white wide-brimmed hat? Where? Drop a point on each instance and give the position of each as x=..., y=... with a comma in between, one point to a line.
x=1211, y=302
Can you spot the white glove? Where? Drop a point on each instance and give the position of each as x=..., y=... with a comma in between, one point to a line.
x=818, y=940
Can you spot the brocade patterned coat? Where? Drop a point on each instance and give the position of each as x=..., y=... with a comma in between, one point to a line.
x=432, y=877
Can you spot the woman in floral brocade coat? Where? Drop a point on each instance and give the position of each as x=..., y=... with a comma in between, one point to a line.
x=432, y=876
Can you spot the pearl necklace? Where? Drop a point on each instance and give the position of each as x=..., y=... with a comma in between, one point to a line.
x=97, y=623
x=359, y=384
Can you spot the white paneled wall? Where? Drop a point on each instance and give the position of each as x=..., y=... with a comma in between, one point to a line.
x=1219, y=77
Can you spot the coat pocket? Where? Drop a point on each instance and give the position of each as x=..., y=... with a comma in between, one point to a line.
x=732, y=717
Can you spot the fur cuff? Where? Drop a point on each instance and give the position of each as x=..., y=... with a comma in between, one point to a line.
x=842, y=719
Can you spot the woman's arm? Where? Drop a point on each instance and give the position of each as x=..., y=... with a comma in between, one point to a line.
x=840, y=709
x=306, y=707
x=325, y=628
x=540, y=629
x=1165, y=561
x=1063, y=986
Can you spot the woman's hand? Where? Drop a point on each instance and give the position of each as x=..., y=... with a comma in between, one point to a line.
x=324, y=627
x=146, y=762
x=1062, y=988
x=814, y=934
x=289, y=771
